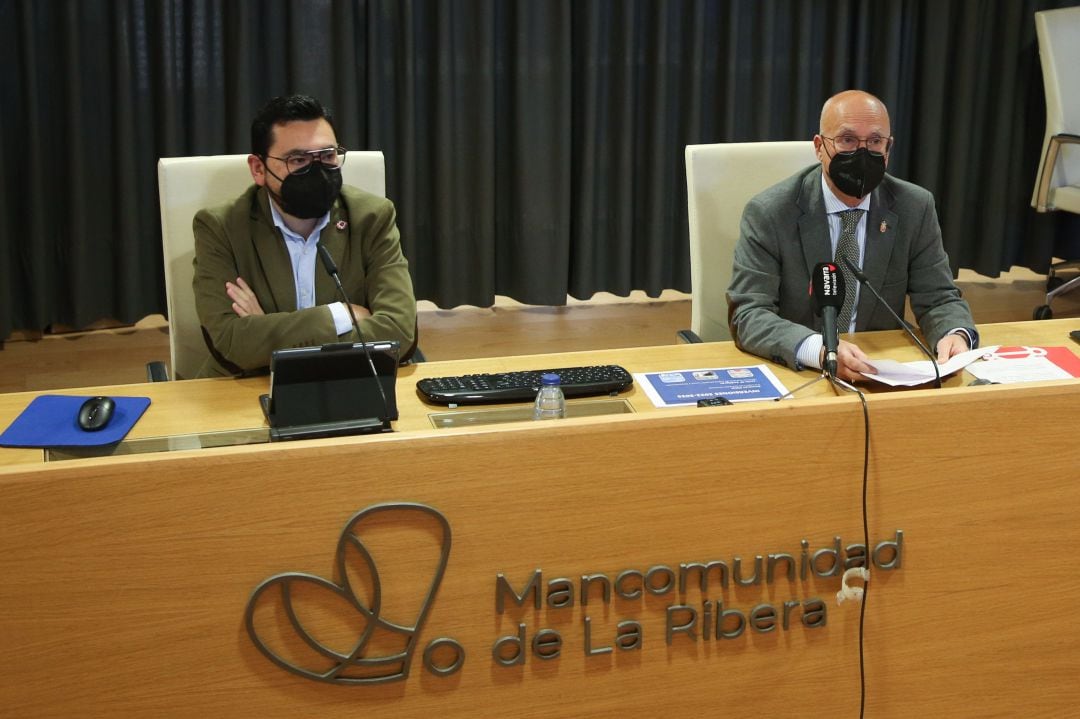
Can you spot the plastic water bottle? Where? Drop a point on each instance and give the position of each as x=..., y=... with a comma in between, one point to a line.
x=550, y=402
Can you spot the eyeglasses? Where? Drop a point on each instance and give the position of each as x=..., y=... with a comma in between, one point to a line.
x=300, y=162
x=876, y=144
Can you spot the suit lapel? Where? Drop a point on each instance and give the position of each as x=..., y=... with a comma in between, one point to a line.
x=881, y=228
x=273, y=258
x=813, y=227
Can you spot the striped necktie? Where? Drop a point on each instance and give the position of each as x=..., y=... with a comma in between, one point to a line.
x=848, y=248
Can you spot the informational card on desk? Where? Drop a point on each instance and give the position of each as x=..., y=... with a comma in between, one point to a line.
x=678, y=388
x=1008, y=365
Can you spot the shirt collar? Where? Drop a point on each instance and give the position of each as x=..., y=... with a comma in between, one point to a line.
x=279, y=222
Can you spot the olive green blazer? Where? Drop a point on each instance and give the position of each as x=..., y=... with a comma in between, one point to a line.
x=239, y=239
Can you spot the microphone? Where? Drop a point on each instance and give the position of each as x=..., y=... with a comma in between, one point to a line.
x=865, y=282
x=332, y=270
x=827, y=293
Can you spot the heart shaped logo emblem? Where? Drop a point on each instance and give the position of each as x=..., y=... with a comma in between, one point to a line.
x=361, y=628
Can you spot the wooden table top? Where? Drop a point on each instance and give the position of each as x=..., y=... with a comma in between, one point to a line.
x=217, y=405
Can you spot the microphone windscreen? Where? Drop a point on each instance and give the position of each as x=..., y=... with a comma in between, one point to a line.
x=826, y=286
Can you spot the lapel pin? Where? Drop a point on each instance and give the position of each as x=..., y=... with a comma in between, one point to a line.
x=883, y=227
x=342, y=224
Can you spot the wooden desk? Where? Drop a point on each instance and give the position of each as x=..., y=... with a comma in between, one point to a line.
x=126, y=579
x=200, y=406
x=203, y=406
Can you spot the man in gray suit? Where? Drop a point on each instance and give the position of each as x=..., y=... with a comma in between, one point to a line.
x=846, y=206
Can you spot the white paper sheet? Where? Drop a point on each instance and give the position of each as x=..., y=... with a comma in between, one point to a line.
x=910, y=374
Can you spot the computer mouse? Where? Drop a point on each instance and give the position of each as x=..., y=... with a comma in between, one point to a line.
x=95, y=413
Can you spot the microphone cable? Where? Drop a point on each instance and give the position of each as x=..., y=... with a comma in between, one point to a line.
x=869, y=554
x=867, y=557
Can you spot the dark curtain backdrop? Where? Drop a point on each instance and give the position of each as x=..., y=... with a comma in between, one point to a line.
x=534, y=148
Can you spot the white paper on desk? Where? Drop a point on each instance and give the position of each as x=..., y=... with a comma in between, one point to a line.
x=910, y=374
x=1032, y=369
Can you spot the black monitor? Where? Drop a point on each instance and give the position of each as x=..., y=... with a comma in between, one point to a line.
x=331, y=391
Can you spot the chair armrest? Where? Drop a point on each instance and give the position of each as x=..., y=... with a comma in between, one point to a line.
x=156, y=371
x=413, y=354
x=688, y=337
x=1052, y=150
x=414, y=357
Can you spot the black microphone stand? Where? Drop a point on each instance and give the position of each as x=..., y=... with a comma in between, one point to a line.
x=835, y=381
x=825, y=295
x=332, y=270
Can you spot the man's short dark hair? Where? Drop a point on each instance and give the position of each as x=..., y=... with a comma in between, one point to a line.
x=281, y=110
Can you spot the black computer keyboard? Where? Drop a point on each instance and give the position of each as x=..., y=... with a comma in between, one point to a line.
x=522, y=386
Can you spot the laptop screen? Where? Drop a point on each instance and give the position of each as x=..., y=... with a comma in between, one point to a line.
x=333, y=383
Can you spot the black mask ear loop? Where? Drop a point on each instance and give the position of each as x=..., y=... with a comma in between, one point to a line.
x=277, y=198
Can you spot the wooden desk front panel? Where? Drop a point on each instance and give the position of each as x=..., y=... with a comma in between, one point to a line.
x=125, y=581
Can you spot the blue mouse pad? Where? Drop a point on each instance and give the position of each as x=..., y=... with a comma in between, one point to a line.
x=50, y=421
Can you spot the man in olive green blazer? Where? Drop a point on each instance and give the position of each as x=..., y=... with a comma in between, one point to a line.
x=259, y=285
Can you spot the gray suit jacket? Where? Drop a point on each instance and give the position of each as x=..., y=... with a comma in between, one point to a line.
x=784, y=233
x=239, y=239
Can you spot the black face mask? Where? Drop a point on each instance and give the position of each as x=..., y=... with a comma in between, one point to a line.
x=856, y=174
x=311, y=194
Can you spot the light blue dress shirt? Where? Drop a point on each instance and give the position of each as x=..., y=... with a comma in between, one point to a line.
x=302, y=253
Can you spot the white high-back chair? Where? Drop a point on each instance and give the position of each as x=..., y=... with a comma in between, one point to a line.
x=189, y=184
x=1057, y=184
x=720, y=180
